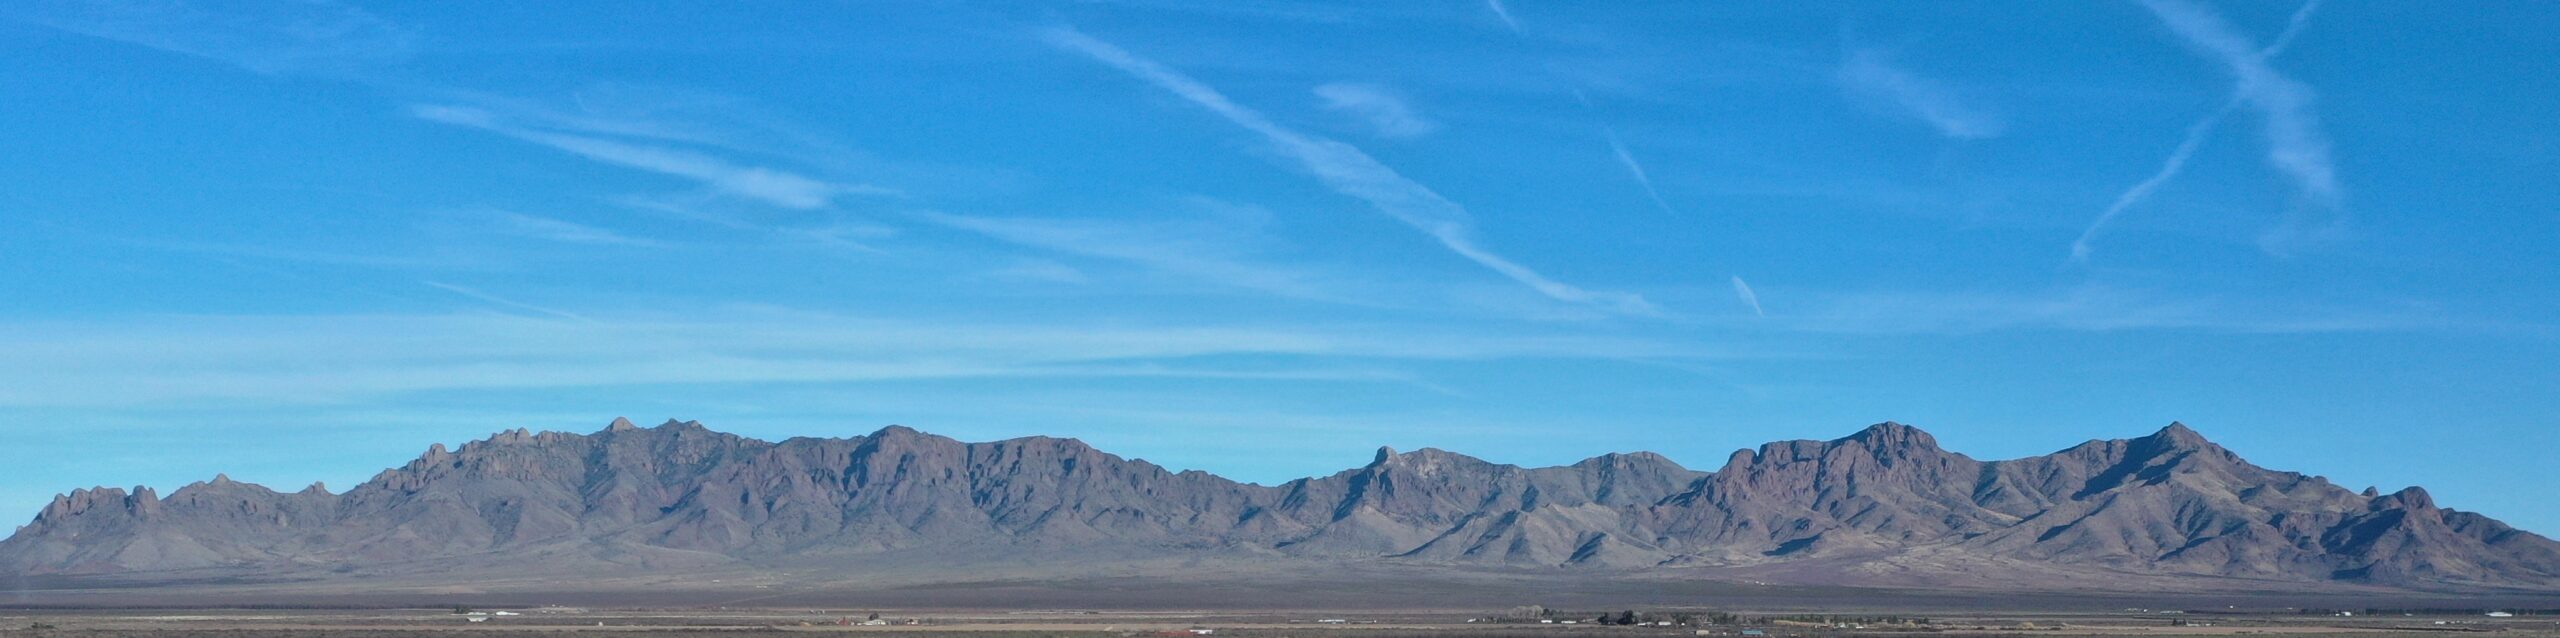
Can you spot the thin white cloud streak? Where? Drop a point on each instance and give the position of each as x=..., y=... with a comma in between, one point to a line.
x=328, y=359
x=1870, y=73
x=270, y=38
x=775, y=187
x=2169, y=170
x=545, y=228
x=1382, y=109
x=378, y=258
x=1214, y=253
x=2197, y=133
x=1355, y=174
x=2292, y=28
x=1504, y=13
x=338, y=41
x=1635, y=169
x=1626, y=159
x=502, y=301
x=2086, y=309
x=1742, y=290
x=1043, y=272
x=713, y=210
x=2295, y=144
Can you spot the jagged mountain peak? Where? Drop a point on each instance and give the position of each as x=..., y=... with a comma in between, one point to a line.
x=903, y=438
x=2168, y=444
x=2412, y=497
x=219, y=483
x=2182, y=446
x=1888, y=443
x=1629, y=459
x=620, y=424
x=1442, y=459
x=1433, y=456
x=895, y=432
x=2178, y=435
x=1891, y=433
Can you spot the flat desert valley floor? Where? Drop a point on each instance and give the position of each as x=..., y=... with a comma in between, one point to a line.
x=1278, y=607
x=1841, y=623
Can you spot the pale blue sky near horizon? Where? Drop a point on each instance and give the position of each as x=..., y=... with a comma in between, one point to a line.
x=301, y=241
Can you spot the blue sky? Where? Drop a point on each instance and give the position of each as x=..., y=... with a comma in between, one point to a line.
x=301, y=241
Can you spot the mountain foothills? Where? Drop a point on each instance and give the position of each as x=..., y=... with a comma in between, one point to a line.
x=1884, y=506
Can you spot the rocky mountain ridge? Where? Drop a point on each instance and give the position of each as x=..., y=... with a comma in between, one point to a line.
x=681, y=496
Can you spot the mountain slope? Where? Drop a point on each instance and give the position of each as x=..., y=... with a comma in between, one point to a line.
x=680, y=496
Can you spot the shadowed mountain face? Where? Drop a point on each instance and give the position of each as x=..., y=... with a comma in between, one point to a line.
x=2166, y=506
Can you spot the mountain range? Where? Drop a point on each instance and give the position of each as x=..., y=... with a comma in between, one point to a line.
x=1883, y=506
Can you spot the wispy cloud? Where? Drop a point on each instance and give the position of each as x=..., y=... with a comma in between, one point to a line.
x=1353, y=173
x=1041, y=271
x=1871, y=74
x=2295, y=145
x=1626, y=159
x=1635, y=169
x=1381, y=108
x=1215, y=248
x=1504, y=13
x=2089, y=308
x=509, y=303
x=776, y=187
x=545, y=228
x=1617, y=146
x=728, y=213
x=272, y=251
x=273, y=38
x=339, y=41
x=720, y=124
x=296, y=360
x=1742, y=290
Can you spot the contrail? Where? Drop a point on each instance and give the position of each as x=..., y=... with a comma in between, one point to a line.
x=511, y=303
x=1742, y=290
x=1353, y=173
x=1636, y=169
x=2295, y=146
x=2169, y=169
x=1505, y=14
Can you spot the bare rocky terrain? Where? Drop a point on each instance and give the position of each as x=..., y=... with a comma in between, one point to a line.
x=680, y=507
